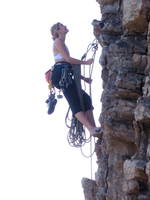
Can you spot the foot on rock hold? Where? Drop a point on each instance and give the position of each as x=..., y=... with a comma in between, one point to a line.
x=96, y=132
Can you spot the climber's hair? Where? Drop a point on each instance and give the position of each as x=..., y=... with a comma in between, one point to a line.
x=54, y=30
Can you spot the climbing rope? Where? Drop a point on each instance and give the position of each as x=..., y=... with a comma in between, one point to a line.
x=77, y=135
x=93, y=46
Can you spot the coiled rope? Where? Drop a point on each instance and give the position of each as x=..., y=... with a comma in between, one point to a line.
x=77, y=135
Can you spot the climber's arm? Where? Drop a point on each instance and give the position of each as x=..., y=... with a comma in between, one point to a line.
x=87, y=80
x=61, y=48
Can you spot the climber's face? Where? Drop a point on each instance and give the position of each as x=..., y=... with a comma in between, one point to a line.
x=62, y=29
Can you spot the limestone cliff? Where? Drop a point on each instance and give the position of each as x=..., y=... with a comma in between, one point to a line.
x=123, y=154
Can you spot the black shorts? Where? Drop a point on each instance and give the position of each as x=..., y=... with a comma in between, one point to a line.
x=71, y=92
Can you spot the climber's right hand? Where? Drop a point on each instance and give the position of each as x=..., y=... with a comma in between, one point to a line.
x=89, y=61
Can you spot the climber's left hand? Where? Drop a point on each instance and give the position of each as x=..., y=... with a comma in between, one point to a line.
x=88, y=80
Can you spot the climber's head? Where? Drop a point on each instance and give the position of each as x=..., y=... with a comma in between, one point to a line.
x=58, y=29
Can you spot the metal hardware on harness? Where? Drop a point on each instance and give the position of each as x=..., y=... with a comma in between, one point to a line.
x=66, y=77
x=59, y=96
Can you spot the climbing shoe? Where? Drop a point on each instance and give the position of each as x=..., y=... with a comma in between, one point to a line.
x=51, y=102
x=96, y=132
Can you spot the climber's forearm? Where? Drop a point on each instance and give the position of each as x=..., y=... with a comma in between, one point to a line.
x=75, y=61
x=82, y=77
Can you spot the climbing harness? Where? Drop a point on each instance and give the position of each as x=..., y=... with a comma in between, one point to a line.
x=66, y=77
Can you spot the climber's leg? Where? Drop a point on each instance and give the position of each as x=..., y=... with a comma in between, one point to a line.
x=94, y=131
x=90, y=117
x=84, y=120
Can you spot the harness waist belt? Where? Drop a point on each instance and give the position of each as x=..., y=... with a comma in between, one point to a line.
x=62, y=63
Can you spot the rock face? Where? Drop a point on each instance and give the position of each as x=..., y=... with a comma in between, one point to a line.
x=123, y=154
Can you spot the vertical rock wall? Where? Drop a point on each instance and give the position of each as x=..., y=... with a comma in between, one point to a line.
x=123, y=154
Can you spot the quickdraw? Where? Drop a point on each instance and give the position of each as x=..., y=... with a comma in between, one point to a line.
x=66, y=78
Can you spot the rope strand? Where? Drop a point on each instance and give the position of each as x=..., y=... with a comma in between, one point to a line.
x=77, y=134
